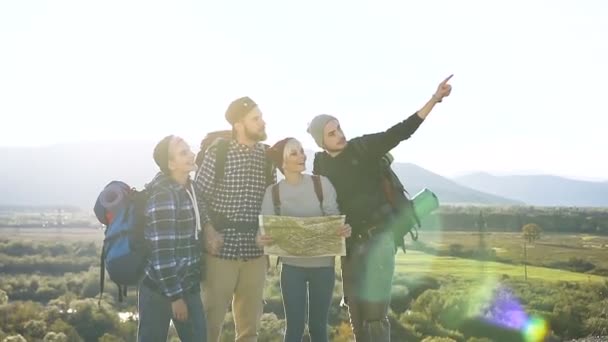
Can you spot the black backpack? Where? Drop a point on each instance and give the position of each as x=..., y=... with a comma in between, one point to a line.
x=399, y=199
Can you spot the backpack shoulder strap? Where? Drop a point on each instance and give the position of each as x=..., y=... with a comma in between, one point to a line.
x=102, y=273
x=317, y=168
x=220, y=158
x=276, y=199
x=268, y=167
x=316, y=181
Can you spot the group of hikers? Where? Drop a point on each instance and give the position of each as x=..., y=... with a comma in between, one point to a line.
x=206, y=249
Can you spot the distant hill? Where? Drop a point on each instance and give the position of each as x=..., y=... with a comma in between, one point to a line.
x=70, y=174
x=541, y=190
x=415, y=178
x=73, y=174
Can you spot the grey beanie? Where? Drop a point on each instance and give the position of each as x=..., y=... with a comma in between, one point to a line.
x=317, y=127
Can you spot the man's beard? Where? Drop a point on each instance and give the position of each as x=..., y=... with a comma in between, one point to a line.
x=336, y=150
x=256, y=136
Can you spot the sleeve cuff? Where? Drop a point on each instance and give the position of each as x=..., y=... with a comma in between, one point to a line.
x=179, y=295
x=417, y=119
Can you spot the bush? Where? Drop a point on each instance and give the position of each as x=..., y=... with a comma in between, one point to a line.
x=479, y=339
x=426, y=326
x=36, y=329
x=272, y=329
x=438, y=339
x=14, y=315
x=342, y=333
x=61, y=327
x=573, y=264
x=600, y=271
x=596, y=326
x=274, y=305
x=110, y=338
x=567, y=320
x=456, y=250
x=55, y=337
x=92, y=321
x=3, y=297
x=228, y=334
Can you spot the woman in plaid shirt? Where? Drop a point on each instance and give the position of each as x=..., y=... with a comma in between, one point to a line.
x=170, y=290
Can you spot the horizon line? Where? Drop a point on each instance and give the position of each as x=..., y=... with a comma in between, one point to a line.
x=451, y=176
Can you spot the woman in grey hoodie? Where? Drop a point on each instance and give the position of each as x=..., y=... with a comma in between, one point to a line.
x=314, y=276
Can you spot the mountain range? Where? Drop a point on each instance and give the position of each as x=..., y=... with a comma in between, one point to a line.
x=540, y=190
x=74, y=174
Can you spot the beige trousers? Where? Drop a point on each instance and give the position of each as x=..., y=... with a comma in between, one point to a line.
x=239, y=282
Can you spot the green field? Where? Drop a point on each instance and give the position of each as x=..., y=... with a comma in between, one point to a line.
x=52, y=234
x=549, y=249
x=418, y=263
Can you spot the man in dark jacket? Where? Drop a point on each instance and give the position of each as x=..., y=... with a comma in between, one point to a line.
x=170, y=289
x=356, y=169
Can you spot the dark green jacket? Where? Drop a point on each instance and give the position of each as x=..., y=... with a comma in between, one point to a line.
x=357, y=173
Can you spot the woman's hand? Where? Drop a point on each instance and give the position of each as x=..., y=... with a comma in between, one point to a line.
x=345, y=231
x=263, y=240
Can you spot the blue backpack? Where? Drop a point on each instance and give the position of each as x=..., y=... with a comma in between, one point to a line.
x=121, y=209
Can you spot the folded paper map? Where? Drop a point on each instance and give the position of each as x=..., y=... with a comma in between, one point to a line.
x=303, y=236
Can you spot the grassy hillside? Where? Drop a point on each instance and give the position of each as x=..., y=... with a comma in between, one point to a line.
x=422, y=264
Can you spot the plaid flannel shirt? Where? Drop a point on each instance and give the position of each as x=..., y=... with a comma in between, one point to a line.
x=174, y=262
x=237, y=197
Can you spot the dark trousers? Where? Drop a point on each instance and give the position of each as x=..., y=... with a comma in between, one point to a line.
x=318, y=283
x=367, y=276
x=155, y=314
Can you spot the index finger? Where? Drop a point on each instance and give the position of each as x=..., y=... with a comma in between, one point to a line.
x=447, y=79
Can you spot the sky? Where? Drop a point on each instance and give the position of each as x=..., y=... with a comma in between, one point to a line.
x=529, y=85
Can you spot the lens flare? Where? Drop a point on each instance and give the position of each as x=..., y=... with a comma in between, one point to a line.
x=507, y=312
x=536, y=330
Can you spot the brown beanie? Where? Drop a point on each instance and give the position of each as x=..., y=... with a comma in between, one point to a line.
x=161, y=154
x=239, y=108
x=276, y=152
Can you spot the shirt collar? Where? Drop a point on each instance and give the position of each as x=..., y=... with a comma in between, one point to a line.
x=245, y=148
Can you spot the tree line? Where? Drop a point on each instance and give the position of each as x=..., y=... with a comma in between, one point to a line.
x=512, y=219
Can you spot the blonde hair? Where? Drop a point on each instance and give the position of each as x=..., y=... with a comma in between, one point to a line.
x=290, y=146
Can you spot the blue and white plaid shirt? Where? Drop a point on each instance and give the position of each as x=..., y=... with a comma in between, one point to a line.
x=174, y=263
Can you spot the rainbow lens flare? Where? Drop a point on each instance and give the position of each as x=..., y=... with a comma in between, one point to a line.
x=505, y=311
x=535, y=330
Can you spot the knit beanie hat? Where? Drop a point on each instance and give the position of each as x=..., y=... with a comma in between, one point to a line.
x=161, y=154
x=317, y=127
x=276, y=152
x=239, y=108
